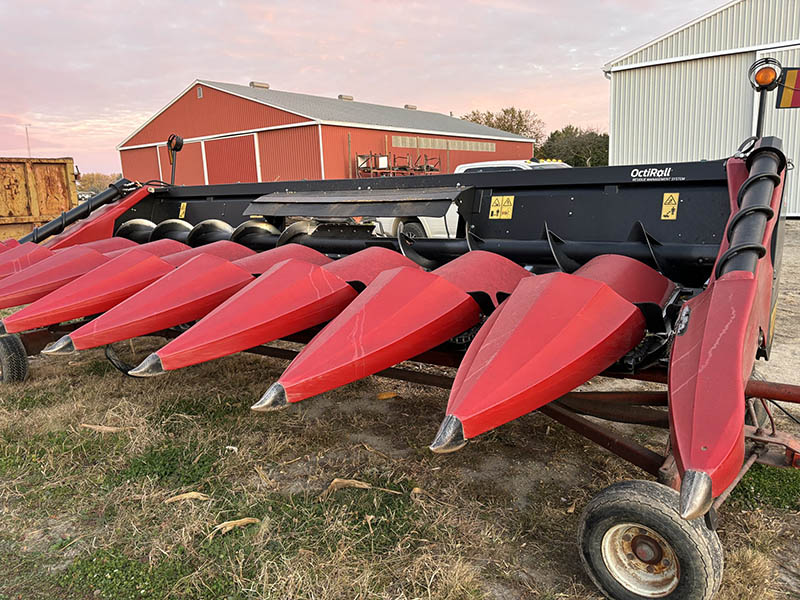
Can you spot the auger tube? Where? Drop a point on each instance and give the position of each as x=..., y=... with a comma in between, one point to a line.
x=115, y=191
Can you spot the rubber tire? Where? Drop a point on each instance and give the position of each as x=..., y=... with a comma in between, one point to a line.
x=653, y=505
x=13, y=359
x=414, y=230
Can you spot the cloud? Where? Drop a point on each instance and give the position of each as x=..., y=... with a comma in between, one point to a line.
x=85, y=74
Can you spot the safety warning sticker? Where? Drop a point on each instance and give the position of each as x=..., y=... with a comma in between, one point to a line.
x=182, y=210
x=669, y=206
x=502, y=207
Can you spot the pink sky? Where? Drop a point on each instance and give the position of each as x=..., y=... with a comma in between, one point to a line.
x=85, y=75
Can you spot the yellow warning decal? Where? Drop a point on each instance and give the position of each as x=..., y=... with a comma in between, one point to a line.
x=669, y=206
x=182, y=211
x=502, y=207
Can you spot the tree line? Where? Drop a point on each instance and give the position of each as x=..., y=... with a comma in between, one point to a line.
x=576, y=146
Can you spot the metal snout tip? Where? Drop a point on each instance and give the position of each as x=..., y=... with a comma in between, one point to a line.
x=273, y=399
x=450, y=436
x=149, y=367
x=60, y=346
x=696, y=497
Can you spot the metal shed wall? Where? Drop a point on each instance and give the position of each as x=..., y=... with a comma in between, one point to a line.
x=140, y=164
x=686, y=96
x=694, y=110
x=231, y=160
x=290, y=154
x=189, y=166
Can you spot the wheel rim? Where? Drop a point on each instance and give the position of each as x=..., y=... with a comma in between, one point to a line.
x=640, y=560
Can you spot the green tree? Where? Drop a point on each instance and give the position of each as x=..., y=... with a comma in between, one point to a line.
x=511, y=119
x=576, y=147
x=96, y=182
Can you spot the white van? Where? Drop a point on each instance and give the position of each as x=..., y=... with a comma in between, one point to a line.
x=446, y=227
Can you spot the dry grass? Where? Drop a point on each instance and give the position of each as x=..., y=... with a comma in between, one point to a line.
x=83, y=512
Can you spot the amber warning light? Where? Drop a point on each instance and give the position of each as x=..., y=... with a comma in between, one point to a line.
x=764, y=74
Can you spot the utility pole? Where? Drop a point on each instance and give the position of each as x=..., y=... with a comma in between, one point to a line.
x=27, y=138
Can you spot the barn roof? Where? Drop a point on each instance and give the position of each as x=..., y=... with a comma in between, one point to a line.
x=350, y=112
x=333, y=111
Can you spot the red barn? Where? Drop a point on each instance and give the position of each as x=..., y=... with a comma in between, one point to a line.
x=236, y=133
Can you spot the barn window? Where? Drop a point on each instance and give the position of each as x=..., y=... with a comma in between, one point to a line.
x=199, y=92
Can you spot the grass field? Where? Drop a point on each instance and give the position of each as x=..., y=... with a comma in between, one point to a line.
x=84, y=511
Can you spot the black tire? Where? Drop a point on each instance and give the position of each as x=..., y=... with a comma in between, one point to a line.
x=414, y=230
x=13, y=359
x=622, y=553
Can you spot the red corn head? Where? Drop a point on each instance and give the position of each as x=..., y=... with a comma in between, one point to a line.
x=105, y=245
x=555, y=332
x=7, y=245
x=64, y=266
x=21, y=257
x=718, y=335
x=182, y=295
x=292, y=296
x=402, y=313
x=109, y=284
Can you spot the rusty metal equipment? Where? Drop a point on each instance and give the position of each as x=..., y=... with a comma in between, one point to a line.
x=664, y=273
x=34, y=191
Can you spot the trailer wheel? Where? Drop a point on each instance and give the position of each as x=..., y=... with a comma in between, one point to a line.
x=634, y=545
x=13, y=359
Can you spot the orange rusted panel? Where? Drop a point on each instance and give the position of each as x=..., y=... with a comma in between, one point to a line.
x=34, y=191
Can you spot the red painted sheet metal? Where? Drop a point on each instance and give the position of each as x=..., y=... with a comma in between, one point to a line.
x=141, y=164
x=222, y=249
x=555, y=332
x=402, y=313
x=188, y=167
x=183, y=295
x=163, y=247
x=483, y=272
x=108, y=245
x=22, y=257
x=92, y=293
x=231, y=160
x=292, y=296
x=631, y=279
x=338, y=165
x=215, y=113
x=364, y=266
x=713, y=356
x=264, y=261
x=66, y=265
x=290, y=154
x=107, y=285
x=47, y=275
x=99, y=225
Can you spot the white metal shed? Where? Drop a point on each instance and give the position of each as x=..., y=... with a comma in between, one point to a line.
x=685, y=95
